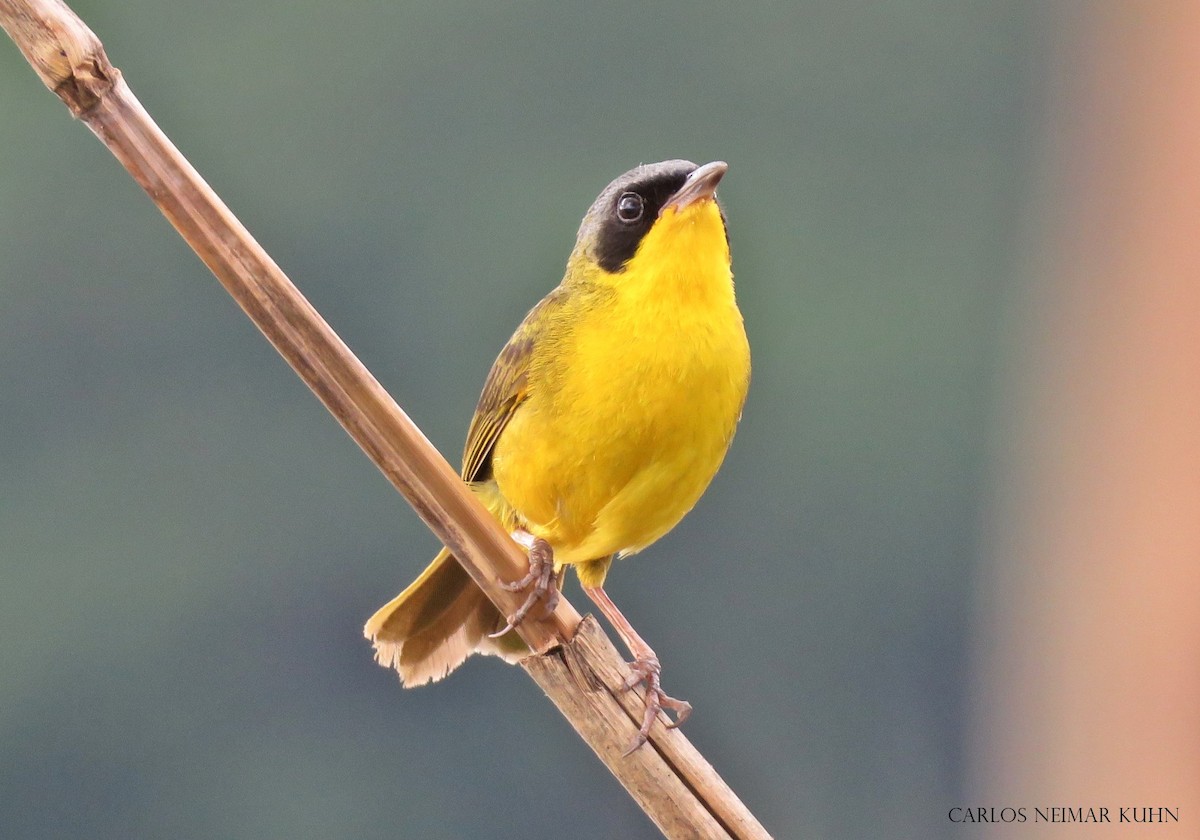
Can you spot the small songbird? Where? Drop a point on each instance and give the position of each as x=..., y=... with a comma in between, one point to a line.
x=601, y=423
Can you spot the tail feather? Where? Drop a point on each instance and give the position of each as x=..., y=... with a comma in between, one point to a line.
x=427, y=630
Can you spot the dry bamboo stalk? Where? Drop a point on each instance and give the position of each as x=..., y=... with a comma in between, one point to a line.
x=670, y=781
x=584, y=679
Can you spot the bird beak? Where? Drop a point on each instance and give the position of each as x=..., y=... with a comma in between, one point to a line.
x=700, y=186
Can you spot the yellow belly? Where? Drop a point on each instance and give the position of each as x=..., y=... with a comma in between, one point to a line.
x=628, y=418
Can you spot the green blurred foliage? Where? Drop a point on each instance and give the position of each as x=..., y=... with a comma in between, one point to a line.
x=189, y=545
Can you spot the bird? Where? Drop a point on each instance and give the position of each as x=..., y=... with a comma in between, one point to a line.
x=602, y=421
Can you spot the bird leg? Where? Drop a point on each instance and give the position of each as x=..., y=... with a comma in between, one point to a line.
x=644, y=668
x=541, y=578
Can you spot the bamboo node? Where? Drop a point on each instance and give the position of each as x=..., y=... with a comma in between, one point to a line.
x=67, y=55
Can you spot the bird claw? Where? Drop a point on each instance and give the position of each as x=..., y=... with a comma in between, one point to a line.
x=646, y=669
x=541, y=578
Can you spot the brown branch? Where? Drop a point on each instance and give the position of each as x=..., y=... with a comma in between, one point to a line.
x=583, y=675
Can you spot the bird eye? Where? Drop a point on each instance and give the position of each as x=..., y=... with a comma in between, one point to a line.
x=629, y=207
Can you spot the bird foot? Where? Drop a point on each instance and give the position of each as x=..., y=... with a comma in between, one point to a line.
x=646, y=669
x=540, y=578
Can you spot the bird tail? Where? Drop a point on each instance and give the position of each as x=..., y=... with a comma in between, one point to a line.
x=427, y=630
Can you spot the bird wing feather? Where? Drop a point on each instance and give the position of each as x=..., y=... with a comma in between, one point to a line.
x=507, y=386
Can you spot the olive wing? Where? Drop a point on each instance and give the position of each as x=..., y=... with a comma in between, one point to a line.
x=506, y=388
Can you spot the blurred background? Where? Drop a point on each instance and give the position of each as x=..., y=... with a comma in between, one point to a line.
x=950, y=560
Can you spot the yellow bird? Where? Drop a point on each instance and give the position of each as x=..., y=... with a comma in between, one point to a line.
x=601, y=423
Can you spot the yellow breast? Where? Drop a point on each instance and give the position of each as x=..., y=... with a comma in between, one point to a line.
x=633, y=396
